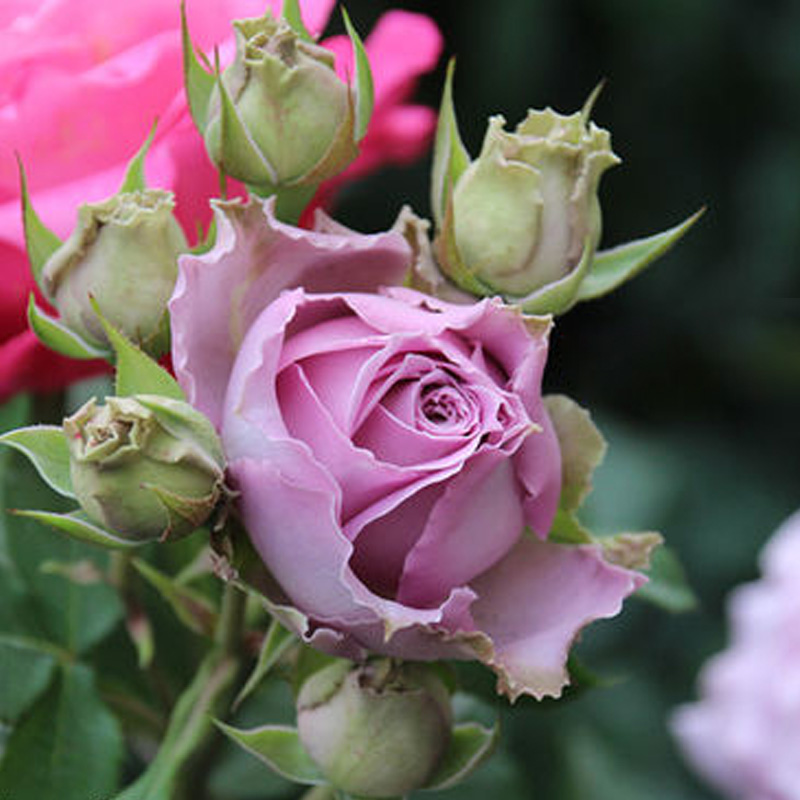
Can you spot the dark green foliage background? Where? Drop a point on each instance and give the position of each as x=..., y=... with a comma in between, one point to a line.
x=692, y=370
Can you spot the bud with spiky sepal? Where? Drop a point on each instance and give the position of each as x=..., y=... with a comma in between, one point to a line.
x=523, y=220
x=122, y=256
x=375, y=730
x=144, y=467
x=279, y=118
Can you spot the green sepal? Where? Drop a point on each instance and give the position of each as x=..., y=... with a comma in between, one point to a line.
x=668, y=587
x=205, y=239
x=134, y=180
x=235, y=140
x=470, y=745
x=137, y=373
x=447, y=253
x=194, y=510
x=567, y=529
x=185, y=422
x=450, y=157
x=364, y=85
x=52, y=333
x=45, y=446
x=613, y=267
x=192, y=608
x=77, y=525
x=290, y=201
x=199, y=82
x=631, y=550
x=276, y=642
x=560, y=296
x=291, y=13
x=279, y=747
x=582, y=448
x=40, y=241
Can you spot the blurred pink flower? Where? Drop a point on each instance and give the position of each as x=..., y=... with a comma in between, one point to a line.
x=743, y=735
x=81, y=82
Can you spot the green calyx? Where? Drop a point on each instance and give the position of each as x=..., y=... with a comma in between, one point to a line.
x=279, y=116
x=144, y=467
x=123, y=254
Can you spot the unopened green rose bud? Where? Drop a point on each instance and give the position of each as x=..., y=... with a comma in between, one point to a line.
x=377, y=730
x=123, y=255
x=287, y=119
x=525, y=213
x=144, y=467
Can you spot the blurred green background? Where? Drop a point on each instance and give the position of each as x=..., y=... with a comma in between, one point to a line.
x=692, y=370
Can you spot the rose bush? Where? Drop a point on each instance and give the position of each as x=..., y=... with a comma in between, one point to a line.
x=81, y=83
x=743, y=735
x=398, y=471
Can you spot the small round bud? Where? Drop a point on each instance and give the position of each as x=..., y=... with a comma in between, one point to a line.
x=123, y=253
x=296, y=115
x=523, y=213
x=144, y=467
x=377, y=730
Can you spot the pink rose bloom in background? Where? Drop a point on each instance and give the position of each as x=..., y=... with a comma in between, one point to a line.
x=390, y=450
x=81, y=82
x=743, y=735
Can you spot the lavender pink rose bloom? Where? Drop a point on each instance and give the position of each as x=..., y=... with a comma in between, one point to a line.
x=81, y=82
x=398, y=473
x=743, y=735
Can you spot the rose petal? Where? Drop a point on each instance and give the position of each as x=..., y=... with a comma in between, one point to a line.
x=25, y=361
x=538, y=465
x=288, y=507
x=533, y=603
x=474, y=523
x=254, y=259
x=367, y=480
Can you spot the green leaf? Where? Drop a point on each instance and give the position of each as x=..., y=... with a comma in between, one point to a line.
x=279, y=747
x=68, y=747
x=192, y=608
x=365, y=89
x=291, y=13
x=77, y=525
x=237, y=153
x=199, y=83
x=54, y=334
x=560, y=296
x=276, y=642
x=40, y=241
x=471, y=744
x=450, y=157
x=134, y=180
x=46, y=448
x=25, y=672
x=582, y=448
x=74, y=617
x=137, y=373
x=667, y=587
x=613, y=267
x=566, y=529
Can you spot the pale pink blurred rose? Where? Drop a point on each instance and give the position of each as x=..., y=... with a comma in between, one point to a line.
x=743, y=735
x=397, y=470
x=81, y=82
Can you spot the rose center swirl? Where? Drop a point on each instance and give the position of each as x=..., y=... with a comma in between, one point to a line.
x=444, y=407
